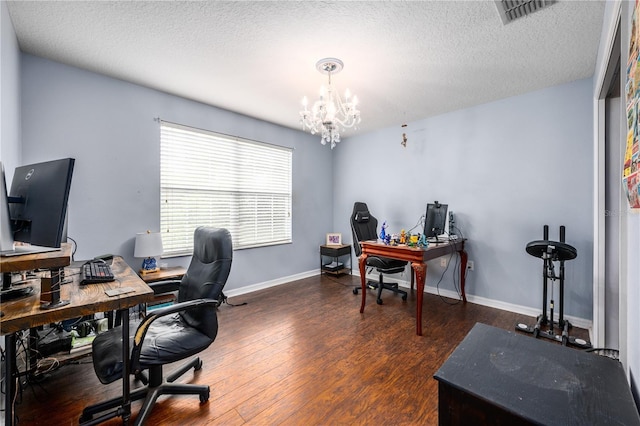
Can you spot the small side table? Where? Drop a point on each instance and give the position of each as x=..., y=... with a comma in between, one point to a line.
x=336, y=253
x=170, y=273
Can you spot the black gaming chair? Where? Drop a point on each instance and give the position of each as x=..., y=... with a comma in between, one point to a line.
x=172, y=333
x=364, y=227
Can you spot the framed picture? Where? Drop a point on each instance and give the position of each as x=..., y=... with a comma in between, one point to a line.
x=334, y=239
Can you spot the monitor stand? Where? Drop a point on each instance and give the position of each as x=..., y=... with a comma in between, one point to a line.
x=50, y=290
x=11, y=293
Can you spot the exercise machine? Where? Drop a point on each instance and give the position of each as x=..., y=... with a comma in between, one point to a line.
x=551, y=252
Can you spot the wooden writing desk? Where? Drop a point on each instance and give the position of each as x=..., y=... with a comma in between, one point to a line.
x=498, y=377
x=418, y=257
x=25, y=313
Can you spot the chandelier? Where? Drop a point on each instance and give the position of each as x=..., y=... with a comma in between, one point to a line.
x=330, y=114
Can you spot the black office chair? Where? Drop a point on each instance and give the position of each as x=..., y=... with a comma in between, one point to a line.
x=364, y=227
x=172, y=333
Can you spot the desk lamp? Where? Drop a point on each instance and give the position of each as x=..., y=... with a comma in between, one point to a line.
x=148, y=245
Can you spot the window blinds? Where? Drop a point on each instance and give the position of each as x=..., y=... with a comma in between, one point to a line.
x=217, y=180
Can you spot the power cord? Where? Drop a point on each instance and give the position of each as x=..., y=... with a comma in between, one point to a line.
x=456, y=283
x=75, y=247
x=420, y=223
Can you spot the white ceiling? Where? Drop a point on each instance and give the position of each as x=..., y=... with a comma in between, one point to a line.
x=404, y=60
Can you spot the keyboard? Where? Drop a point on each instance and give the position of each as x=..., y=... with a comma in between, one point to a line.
x=94, y=272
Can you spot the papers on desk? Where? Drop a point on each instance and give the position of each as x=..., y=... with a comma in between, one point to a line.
x=118, y=291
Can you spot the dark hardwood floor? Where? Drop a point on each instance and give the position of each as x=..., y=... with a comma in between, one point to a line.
x=297, y=354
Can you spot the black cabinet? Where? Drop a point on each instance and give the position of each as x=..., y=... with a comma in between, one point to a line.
x=335, y=259
x=497, y=377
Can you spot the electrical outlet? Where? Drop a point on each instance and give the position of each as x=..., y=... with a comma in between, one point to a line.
x=470, y=265
x=443, y=262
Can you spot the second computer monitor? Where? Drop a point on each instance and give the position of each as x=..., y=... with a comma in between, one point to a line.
x=38, y=202
x=435, y=219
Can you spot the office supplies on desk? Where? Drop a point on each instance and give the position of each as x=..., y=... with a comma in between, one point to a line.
x=96, y=271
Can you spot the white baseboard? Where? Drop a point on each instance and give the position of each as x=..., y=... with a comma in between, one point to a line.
x=491, y=303
x=272, y=283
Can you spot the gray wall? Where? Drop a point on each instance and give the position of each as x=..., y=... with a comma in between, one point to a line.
x=108, y=126
x=505, y=168
x=9, y=92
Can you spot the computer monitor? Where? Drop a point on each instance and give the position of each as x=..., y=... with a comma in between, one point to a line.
x=38, y=202
x=435, y=219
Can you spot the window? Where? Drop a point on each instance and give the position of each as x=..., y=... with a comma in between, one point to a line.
x=217, y=180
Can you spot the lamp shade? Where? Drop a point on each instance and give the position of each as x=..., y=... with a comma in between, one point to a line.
x=148, y=244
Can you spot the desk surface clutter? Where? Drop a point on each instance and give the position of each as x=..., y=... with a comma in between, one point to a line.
x=499, y=377
x=22, y=314
x=26, y=313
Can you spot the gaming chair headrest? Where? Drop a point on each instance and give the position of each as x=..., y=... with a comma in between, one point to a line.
x=360, y=212
x=362, y=217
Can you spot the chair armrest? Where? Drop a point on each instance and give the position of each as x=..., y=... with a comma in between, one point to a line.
x=142, y=329
x=166, y=286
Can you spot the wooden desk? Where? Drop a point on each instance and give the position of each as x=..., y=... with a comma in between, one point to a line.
x=23, y=314
x=497, y=377
x=418, y=257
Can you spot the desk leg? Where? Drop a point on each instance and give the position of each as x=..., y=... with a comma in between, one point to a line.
x=10, y=381
x=126, y=386
x=363, y=280
x=420, y=269
x=463, y=273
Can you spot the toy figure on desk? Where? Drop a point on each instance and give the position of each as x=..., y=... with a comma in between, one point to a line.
x=383, y=232
x=403, y=237
x=422, y=241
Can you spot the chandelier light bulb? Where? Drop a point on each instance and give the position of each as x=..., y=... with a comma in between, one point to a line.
x=329, y=113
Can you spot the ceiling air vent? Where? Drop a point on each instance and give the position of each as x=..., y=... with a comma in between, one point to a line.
x=510, y=10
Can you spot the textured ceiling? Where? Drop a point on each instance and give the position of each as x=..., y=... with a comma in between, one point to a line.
x=404, y=60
